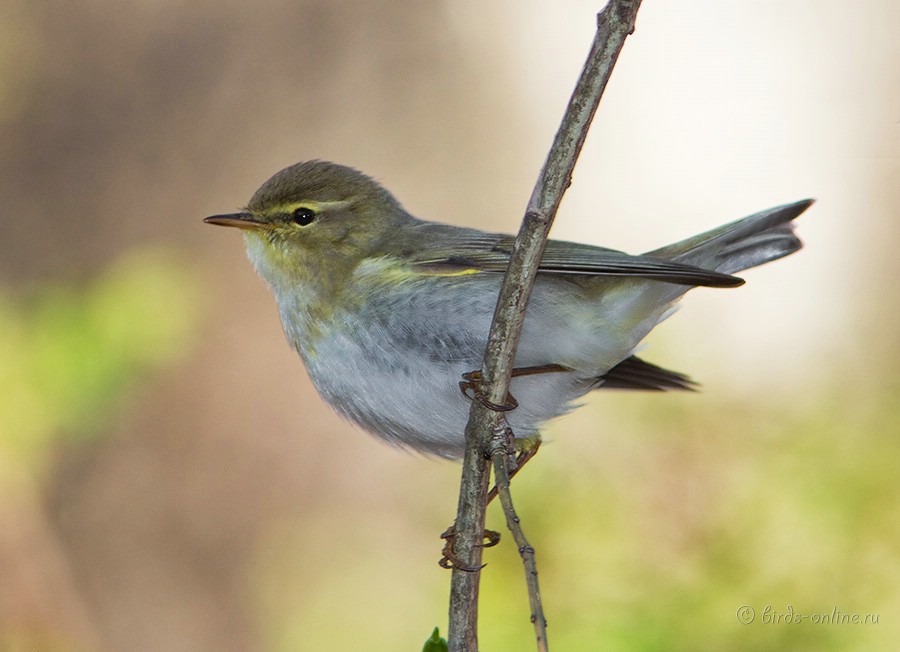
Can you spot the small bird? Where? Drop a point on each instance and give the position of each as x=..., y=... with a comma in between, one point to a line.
x=388, y=311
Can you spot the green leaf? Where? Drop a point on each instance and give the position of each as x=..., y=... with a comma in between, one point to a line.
x=435, y=643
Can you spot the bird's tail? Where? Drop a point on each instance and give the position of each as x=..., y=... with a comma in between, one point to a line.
x=739, y=245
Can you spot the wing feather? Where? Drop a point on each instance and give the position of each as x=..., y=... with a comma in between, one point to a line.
x=489, y=252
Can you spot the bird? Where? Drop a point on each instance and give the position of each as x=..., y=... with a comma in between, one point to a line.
x=388, y=312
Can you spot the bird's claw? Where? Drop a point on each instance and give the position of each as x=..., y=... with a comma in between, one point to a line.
x=471, y=382
x=450, y=561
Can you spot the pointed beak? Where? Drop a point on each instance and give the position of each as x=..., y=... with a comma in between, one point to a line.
x=238, y=220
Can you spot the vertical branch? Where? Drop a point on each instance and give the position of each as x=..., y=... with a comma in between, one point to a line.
x=614, y=23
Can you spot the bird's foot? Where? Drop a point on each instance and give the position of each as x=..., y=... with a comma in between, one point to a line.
x=471, y=382
x=450, y=561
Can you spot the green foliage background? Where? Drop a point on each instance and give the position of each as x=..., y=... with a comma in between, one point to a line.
x=71, y=354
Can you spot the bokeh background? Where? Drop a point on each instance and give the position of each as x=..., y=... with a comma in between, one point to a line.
x=169, y=480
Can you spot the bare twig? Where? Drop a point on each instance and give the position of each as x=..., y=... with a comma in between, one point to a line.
x=614, y=24
x=501, y=452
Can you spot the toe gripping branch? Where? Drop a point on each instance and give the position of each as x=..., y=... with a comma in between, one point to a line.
x=472, y=382
x=471, y=387
x=450, y=561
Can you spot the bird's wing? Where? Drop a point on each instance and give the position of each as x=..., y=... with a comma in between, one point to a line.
x=464, y=250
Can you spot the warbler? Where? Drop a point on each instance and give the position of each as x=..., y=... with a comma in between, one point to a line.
x=388, y=311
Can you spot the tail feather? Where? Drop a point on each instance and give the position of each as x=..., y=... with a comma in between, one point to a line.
x=748, y=242
x=634, y=373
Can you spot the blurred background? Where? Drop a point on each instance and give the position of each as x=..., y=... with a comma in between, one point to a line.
x=169, y=480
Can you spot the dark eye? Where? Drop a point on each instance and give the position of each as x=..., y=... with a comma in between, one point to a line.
x=303, y=216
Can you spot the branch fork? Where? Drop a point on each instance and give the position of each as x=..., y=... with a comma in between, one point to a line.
x=614, y=23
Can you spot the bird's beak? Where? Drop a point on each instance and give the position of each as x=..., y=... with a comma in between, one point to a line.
x=238, y=220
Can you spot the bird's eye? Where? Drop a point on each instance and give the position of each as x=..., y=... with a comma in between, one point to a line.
x=303, y=216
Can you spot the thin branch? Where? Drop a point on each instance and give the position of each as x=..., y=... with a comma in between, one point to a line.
x=500, y=455
x=614, y=24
